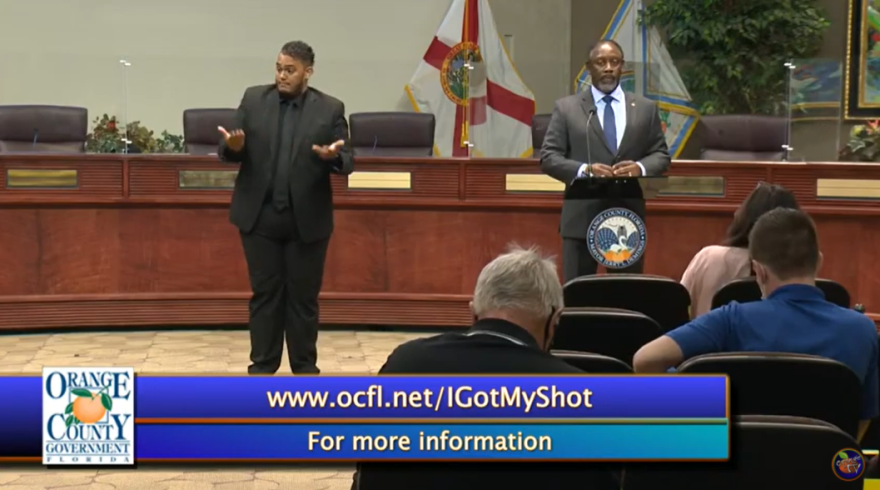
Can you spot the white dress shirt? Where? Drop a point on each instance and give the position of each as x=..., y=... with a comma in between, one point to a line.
x=618, y=105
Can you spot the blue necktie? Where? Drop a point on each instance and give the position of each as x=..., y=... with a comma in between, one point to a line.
x=609, y=125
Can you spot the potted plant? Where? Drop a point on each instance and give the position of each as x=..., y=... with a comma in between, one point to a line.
x=731, y=53
x=108, y=137
x=864, y=143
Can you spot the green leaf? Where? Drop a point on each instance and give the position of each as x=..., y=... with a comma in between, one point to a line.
x=106, y=401
x=729, y=53
x=81, y=392
x=843, y=455
x=75, y=421
x=68, y=408
x=69, y=420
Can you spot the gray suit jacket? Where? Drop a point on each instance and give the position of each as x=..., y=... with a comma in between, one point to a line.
x=565, y=150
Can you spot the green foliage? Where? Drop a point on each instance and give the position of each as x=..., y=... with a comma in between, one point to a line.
x=864, y=143
x=169, y=143
x=107, y=137
x=731, y=53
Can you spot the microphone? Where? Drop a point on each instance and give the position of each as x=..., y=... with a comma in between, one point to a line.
x=590, y=153
x=36, y=136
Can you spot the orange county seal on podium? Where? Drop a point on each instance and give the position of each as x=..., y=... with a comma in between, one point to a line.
x=616, y=238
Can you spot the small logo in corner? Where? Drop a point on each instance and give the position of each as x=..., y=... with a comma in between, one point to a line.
x=88, y=416
x=848, y=464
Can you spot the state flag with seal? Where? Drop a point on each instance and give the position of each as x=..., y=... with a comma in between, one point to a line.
x=467, y=80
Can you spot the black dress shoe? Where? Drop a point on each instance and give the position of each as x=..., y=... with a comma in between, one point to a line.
x=307, y=371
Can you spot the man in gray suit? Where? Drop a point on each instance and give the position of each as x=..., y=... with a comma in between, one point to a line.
x=624, y=139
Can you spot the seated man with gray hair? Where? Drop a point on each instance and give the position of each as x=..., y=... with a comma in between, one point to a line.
x=516, y=305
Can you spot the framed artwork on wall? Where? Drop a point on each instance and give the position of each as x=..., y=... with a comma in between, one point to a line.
x=862, y=87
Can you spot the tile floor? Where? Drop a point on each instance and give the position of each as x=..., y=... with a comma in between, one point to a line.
x=179, y=352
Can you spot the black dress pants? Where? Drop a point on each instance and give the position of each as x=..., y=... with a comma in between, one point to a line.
x=285, y=276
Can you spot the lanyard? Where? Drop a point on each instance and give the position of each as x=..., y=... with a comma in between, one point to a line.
x=496, y=334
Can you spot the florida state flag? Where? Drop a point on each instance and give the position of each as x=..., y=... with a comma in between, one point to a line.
x=467, y=80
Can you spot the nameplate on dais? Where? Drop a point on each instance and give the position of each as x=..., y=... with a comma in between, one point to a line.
x=396, y=181
x=532, y=183
x=41, y=178
x=847, y=189
x=206, y=179
x=708, y=186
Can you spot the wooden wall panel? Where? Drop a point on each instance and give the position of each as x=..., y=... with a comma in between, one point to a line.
x=99, y=178
x=159, y=255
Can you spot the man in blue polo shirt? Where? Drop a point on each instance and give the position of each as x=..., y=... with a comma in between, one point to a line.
x=793, y=316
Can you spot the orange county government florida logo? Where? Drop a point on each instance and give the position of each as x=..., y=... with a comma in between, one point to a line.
x=88, y=416
x=848, y=464
x=617, y=238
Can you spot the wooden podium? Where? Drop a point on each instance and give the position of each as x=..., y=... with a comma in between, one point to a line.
x=144, y=240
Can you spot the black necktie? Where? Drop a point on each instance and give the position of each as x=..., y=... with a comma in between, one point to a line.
x=281, y=188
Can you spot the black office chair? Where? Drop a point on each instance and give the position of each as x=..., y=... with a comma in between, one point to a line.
x=660, y=298
x=746, y=290
x=772, y=383
x=608, y=331
x=872, y=437
x=766, y=453
x=540, y=122
x=593, y=363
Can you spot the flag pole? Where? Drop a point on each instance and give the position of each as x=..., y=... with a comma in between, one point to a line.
x=465, y=124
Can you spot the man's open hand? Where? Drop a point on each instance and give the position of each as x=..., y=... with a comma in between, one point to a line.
x=234, y=140
x=329, y=152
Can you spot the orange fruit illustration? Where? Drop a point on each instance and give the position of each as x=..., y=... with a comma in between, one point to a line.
x=620, y=256
x=88, y=410
x=848, y=466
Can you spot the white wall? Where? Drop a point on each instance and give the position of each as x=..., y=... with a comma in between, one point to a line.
x=203, y=53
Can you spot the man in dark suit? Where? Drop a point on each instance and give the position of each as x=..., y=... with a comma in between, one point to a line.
x=517, y=302
x=288, y=138
x=624, y=139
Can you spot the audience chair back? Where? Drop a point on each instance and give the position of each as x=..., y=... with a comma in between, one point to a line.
x=593, y=363
x=200, y=135
x=742, y=137
x=43, y=128
x=767, y=453
x=608, y=331
x=540, y=122
x=765, y=383
x=746, y=290
x=392, y=134
x=664, y=300
x=872, y=437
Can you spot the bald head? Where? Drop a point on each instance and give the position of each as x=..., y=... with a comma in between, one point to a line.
x=605, y=65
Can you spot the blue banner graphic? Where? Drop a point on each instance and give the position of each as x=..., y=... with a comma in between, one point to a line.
x=440, y=397
x=209, y=406
x=547, y=442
